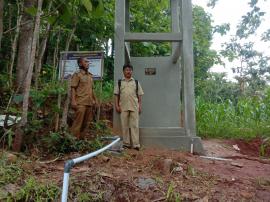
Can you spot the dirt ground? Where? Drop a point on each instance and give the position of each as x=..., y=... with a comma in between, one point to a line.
x=164, y=175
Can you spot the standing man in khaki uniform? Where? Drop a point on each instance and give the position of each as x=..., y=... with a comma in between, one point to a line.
x=82, y=98
x=128, y=102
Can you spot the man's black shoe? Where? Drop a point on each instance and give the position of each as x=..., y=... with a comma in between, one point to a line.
x=126, y=146
x=137, y=148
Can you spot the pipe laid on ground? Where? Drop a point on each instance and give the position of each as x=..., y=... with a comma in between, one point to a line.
x=70, y=163
x=215, y=158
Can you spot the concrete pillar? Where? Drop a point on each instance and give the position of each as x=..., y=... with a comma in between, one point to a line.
x=187, y=63
x=119, y=44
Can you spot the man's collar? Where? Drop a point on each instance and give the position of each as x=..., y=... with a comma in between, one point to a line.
x=124, y=79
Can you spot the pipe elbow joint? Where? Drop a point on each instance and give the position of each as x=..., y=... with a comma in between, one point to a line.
x=68, y=165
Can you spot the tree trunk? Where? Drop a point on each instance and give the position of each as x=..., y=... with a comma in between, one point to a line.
x=25, y=44
x=10, y=15
x=242, y=86
x=42, y=49
x=14, y=45
x=40, y=55
x=55, y=54
x=112, y=50
x=1, y=20
x=55, y=61
x=66, y=105
x=70, y=37
x=107, y=48
x=27, y=82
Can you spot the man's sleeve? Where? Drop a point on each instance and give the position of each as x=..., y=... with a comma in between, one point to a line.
x=75, y=80
x=116, y=89
x=140, y=90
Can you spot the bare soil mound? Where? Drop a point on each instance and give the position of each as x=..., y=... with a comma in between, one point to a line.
x=255, y=147
x=164, y=175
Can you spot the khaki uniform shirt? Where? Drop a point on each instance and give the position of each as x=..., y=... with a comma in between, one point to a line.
x=82, y=81
x=128, y=96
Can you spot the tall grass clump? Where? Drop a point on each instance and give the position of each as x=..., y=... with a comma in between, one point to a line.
x=248, y=117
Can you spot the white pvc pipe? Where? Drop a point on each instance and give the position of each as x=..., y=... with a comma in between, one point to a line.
x=191, y=148
x=65, y=187
x=78, y=160
x=215, y=158
x=88, y=156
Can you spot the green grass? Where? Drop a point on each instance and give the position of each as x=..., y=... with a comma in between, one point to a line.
x=9, y=172
x=26, y=187
x=248, y=118
x=32, y=190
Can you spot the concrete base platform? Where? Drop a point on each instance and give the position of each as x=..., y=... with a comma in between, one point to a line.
x=170, y=137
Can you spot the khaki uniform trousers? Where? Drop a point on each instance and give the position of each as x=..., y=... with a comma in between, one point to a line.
x=130, y=128
x=83, y=116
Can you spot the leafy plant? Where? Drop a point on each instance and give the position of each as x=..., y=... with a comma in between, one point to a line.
x=32, y=190
x=9, y=172
x=65, y=143
x=171, y=195
x=101, y=127
x=104, y=90
x=141, y=20
x=60, y=143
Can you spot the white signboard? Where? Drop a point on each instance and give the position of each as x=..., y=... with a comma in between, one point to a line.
x=68, y=63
